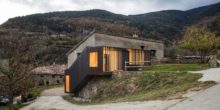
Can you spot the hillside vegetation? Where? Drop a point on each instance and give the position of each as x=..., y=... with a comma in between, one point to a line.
x=144, y=86
x=56, y=32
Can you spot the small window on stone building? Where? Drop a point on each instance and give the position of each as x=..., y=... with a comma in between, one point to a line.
x=153, y=53
x=53, y=76
x=61, y=76
x=41, y=83
x=58, y=81
x=42, y=76
x=47, y=82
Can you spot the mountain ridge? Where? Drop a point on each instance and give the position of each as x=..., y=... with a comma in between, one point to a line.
x=57, y=32
x=147, y=23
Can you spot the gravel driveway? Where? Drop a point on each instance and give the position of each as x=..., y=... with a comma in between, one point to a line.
x=51, y=102
x=204, y=100
x=52, y=99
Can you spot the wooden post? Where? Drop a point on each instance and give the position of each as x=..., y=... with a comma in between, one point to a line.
x=178, y=62
x=125, y=66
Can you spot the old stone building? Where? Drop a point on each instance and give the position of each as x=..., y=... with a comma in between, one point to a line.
x=47, y=75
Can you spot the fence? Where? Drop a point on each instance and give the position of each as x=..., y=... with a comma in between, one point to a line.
x=136, y=65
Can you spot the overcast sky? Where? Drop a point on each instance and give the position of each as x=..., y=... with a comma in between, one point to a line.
x=12, y=8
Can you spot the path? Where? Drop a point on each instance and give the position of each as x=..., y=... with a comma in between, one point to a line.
x=212, y=74
x=51, y=99
x=54, y=92
x=51, y=102
x=208, y=99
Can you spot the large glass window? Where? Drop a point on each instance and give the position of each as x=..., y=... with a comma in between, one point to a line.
x=112, y=59
x=93, y=59
x=136, y=57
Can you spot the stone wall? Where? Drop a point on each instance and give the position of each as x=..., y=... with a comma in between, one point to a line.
x=91, y=89
x=48, y=79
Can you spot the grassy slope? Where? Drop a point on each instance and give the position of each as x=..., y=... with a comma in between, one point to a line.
x=149, y=85
x=153, y=86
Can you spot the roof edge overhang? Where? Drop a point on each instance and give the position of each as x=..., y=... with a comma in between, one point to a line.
x=78, y=44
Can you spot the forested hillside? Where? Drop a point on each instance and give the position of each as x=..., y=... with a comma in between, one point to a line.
x=56, y=32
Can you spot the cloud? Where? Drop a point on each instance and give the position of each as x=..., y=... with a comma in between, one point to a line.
x=12, y=8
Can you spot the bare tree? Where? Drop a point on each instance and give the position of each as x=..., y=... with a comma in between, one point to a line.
x=17, y=64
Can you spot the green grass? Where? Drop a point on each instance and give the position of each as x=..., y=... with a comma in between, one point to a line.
x=149, y=86
x=4, y=108
x=16, y=107
x=36, y=91
x=177, y=67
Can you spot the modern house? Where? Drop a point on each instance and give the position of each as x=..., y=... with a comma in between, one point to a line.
x=100, y=55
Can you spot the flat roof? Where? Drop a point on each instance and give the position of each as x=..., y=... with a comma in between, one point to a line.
x=99, y=34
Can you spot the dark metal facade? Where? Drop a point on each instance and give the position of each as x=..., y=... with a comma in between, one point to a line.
x=80, y=72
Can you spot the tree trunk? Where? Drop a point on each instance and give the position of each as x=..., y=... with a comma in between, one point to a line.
x=11, y=103
x=203, y=55
x=11, y=98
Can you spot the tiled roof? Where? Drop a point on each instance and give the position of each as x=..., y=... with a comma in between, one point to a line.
x=52, y=69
